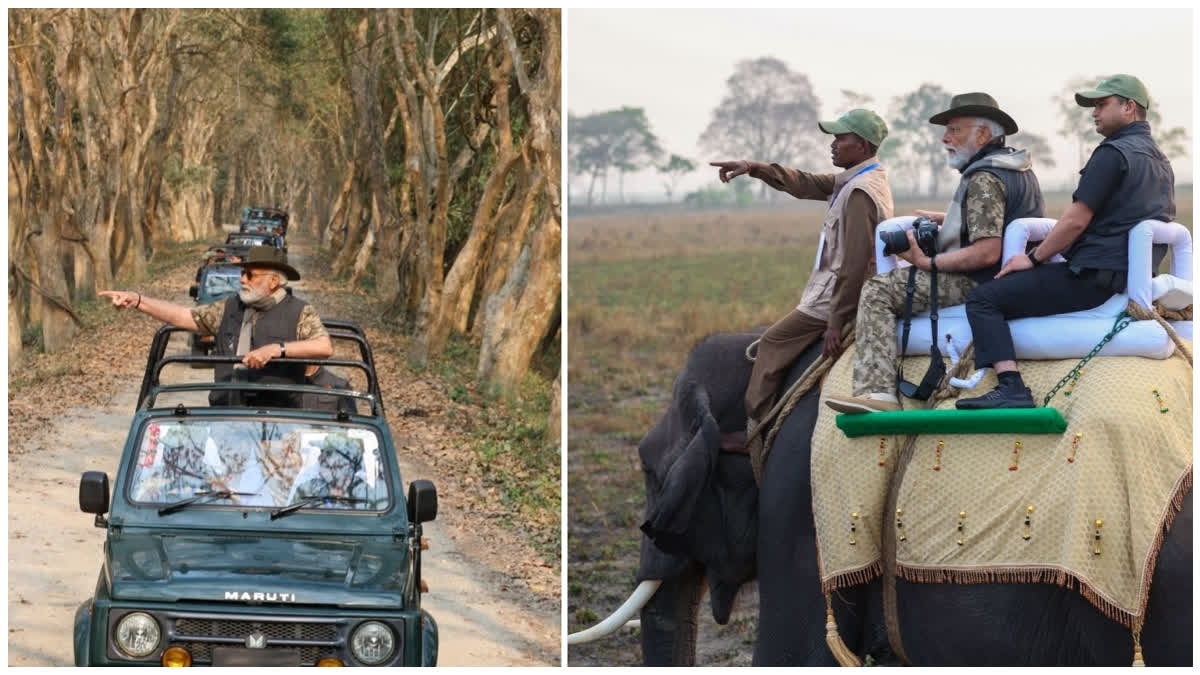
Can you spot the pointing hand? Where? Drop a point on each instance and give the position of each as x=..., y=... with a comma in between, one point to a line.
x=731, y=169
x=121, y=299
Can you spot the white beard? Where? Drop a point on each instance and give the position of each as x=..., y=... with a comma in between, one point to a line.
x=252, y=296
x=958, y=158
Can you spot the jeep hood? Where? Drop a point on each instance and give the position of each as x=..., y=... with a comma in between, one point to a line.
x=251, y=569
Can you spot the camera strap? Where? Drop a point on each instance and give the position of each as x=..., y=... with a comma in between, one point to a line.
x=937, y=368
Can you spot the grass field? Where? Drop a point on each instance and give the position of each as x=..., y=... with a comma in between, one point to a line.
x=643, y=287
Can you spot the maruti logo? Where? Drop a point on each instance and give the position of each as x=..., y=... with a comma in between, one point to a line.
x=259, y=596
x=256, y=641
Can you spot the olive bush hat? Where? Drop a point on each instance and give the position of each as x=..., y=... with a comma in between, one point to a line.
x=976, y=104
x=271, y=258
x=866, y=124
x=1125, y=86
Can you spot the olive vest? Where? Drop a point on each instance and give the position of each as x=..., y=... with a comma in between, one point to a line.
x=277, y=324
x=818, y=292
x=1146, y=192
x=1022, y=197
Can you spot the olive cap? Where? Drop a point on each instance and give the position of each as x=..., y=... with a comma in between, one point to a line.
x=1126, y=86
x=860, y=121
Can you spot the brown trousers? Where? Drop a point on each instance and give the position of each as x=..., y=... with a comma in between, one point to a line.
x=780, y=345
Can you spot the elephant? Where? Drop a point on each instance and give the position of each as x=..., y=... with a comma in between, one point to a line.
x=707, y=522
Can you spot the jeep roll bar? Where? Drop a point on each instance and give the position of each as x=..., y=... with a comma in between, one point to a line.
x=342, y=330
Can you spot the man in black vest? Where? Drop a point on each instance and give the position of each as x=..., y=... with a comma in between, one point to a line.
x=1126, y=180
x=998, y=185
x=261, y=323
x=321, y=377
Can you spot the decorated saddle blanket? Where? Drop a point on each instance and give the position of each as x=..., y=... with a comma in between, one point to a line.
x=1087, y=508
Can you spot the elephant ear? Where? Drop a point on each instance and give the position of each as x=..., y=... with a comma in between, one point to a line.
x=668, y=521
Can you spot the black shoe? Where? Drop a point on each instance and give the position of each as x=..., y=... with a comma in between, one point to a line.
x=1000, y=397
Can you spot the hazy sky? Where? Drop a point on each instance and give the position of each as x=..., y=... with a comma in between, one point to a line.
x=674, y=63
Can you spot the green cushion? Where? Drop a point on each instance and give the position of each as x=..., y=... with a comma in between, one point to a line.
x=1011, y=421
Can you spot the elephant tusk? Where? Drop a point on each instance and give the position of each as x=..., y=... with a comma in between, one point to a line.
x=638, y=599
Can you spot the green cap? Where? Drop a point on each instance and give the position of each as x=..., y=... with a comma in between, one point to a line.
x=1126, y=86
x=866, y=124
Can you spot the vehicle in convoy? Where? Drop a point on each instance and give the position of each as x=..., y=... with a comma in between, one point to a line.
x=215, y=281
x=258, y=534
x=239, y=243
x=264, y=219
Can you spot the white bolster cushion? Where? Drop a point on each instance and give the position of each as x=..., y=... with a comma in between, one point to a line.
x=1024, y=230
x=1141, y=238
x=1053, y=337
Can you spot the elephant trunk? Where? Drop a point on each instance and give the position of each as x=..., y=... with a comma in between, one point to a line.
x=670, y=620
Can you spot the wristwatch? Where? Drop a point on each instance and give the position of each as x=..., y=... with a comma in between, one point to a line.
x=1032, y=258
x=282, y=350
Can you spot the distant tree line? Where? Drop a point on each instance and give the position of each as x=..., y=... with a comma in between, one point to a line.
x=421, y=147
x=770, y=113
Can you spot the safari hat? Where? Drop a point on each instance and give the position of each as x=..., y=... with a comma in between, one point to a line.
x=1126, y=86
x=860, y=121
x=271, y=258
x=976, y=104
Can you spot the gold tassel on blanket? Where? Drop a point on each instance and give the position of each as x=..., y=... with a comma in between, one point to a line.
x=841, y=652
x=1137, y=649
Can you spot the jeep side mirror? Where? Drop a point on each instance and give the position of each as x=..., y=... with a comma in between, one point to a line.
x=193, y=291
x=422, y=501
x=93, y=492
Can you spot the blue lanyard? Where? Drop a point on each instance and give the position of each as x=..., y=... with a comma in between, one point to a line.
x=860, y=172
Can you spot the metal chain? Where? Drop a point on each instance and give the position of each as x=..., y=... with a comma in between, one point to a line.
x=1122, y=321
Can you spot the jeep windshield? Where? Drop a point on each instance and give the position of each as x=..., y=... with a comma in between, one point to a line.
x=259, y=463
x=248, y=240
x=222, y=280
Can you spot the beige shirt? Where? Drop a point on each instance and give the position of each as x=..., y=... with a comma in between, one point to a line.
x=848, y=251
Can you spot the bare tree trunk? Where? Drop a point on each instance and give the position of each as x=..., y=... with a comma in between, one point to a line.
x=83, y=275
x=509, y=243
x=554, y=420
x=18, y=178
x=461, y=280
x=346, y=243
x=14, y=326
x=368, y=245
x=51, y=284
x=517, y=316
x=354, y=234
x=337, y=219
x=51, y=166
x=190, y=207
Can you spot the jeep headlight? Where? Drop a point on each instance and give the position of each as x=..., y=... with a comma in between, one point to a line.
x=138, y=634
x=372, y=643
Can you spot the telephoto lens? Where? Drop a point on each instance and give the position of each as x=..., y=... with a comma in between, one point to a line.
x=894, y=241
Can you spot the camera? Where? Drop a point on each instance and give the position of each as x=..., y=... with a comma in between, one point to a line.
x=896, y=241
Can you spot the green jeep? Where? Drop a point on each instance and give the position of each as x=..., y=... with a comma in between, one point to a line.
x=258, y=534
x=215, y=280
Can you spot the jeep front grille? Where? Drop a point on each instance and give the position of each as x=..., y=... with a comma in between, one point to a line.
x=200, y=635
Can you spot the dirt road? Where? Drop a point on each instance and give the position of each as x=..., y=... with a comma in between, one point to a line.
x=54, y=551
